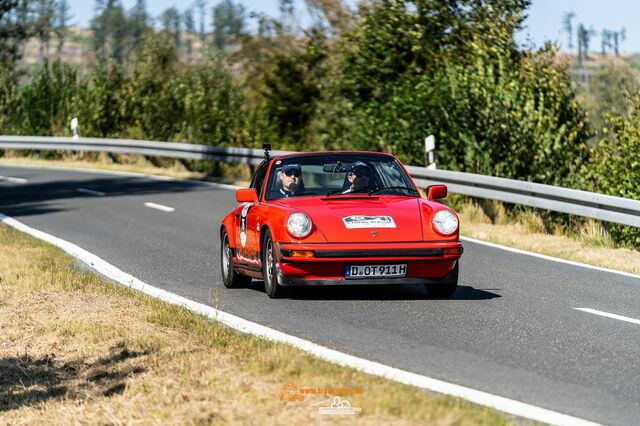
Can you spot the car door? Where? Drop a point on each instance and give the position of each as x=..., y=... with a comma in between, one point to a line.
x=248, y=233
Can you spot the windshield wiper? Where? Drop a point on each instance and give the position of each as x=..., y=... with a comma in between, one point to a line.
x=406, y=188
x=342, y=191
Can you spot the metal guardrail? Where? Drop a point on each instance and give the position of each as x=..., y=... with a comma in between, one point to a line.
x=580, y=203
x=183, y=151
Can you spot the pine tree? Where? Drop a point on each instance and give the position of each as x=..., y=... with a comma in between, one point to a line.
x=189, y=28
x=110, y=30
x=62, y=19
x=228, y=23
x=138, y=23
x=45, y=24
x=172, y=23
x=605, y=37
x=16, y=26
x=567, y=26
x=202, y=10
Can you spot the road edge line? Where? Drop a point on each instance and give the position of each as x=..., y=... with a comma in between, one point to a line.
x=551, y=258
x=499, y=403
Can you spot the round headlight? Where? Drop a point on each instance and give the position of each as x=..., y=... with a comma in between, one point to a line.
x=445, y=222
x=299, y=225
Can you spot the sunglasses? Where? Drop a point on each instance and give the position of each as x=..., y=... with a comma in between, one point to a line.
x=358, y=173
x=292, y=172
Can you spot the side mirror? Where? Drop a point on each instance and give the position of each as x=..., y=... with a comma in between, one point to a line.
x=435, y=192
x=246, y=195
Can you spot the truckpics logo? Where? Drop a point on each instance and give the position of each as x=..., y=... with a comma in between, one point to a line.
x=359, y=222
x=338, y=406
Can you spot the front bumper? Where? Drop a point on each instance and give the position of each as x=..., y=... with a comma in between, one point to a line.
x=427, y=263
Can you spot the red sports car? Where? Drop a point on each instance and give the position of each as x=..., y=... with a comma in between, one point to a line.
x=339, y=218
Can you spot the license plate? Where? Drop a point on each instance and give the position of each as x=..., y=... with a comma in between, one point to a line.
x=375, y=271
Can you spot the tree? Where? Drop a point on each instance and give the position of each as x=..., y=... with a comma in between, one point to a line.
x=45, y=25
x=292, y=86
x=48, y=100
x=172, y=24
x=567, y=26
x=62, y=19
x=605, y=37
x=584, y=39
x=452, y=68
x=615, y=167
x=16, y=26
x=334, y=12
x=228, y=23
x=138, y=23
x=608, y=91
x=202, y=5
x=110, y=29
x=618, y=38
x=190, y=29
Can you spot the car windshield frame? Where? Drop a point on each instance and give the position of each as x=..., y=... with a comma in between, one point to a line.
x=386, y=172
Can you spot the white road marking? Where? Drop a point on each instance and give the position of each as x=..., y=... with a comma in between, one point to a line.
x=608, y=315
x=91, y=192
x=160, y=207
x=117, y=173
x=550, y=258
x=500, y=403
x=13, y=179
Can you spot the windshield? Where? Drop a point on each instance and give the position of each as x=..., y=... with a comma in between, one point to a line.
x=336, y=174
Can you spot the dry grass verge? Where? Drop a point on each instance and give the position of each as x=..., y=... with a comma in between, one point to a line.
x=527, y=231
x=78, y=350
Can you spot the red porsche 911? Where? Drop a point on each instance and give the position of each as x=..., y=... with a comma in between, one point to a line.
x=339, y=218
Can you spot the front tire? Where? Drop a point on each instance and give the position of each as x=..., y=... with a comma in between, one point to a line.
x=230, y=277
x=445, y=289
x=269, y=268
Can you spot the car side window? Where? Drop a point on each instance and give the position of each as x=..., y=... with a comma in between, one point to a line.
x=258, y=179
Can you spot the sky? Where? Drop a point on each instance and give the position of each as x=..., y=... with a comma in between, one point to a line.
x=543, y=23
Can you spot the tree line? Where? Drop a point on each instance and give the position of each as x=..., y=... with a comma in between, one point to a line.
x=610, y=40
x=378, y=77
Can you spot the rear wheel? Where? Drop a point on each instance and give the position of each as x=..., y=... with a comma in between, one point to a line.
x=269, y=269
x=230, y=277
x=446, y=288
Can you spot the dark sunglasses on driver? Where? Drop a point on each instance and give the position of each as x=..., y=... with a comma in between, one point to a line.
x=292, y=172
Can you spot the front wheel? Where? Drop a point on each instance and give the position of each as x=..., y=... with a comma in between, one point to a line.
x=269, y=269
x=446, y=288
x=230, y=278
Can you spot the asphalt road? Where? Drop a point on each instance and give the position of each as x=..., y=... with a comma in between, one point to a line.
x=511, y=329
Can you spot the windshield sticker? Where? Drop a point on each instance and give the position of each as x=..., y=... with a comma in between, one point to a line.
x=358, y=222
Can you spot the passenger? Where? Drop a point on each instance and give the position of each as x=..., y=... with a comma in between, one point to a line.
x=358, y=177
x=291, y=178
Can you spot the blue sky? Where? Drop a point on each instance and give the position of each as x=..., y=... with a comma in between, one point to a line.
x=544, y=21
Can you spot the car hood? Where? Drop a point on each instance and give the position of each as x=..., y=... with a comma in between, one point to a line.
x=363, y=218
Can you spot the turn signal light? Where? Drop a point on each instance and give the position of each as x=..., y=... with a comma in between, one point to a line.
x=305, y=254
x=452, y=251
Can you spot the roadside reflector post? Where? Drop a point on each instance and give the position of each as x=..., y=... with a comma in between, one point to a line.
x=430, y=152
x=74, y=127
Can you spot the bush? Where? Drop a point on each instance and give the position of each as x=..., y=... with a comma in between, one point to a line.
x=615, y=168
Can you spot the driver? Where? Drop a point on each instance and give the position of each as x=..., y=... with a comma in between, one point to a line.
x=291, y=178
x=358, y=177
